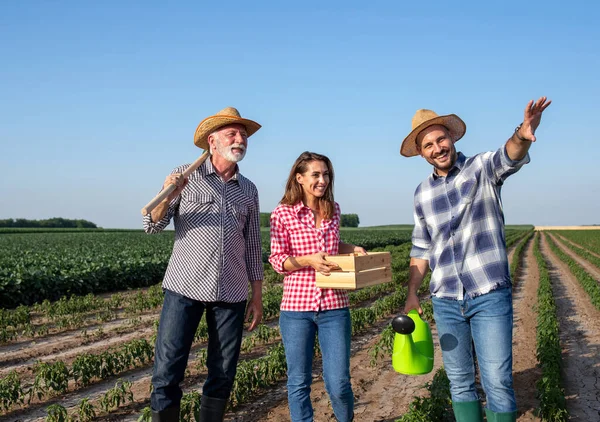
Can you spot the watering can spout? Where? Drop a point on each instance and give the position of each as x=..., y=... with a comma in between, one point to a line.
x=413, y=345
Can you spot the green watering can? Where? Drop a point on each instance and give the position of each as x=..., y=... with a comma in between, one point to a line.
x=413, y=345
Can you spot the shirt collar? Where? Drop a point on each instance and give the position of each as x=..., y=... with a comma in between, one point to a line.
x=458, y=165
x=208, y=168
x=299, y=206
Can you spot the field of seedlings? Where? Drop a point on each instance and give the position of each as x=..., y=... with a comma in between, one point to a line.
x=79, y=314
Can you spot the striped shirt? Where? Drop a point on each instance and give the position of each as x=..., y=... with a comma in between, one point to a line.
x=293, y=233
x=217, y=248
x=459, y=225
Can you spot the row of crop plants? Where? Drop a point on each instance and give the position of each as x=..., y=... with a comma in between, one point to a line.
x=589, y=239
x=75, y=312
x=548, y=351
x=96, y=366
x=437, y=405
x=358, y=317
x=39, y=266
x=579, y=250
x=361, y=319
x=589, y=284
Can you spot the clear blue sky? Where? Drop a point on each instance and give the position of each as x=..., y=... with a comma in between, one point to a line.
x=100, y=100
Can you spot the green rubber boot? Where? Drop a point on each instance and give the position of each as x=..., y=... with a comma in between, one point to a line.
x=467, y=411
x=500, y=416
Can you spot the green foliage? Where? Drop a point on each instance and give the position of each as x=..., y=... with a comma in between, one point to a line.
x=436, y=407
x=349, y=220
x=11, y=391
x=519, y=250
x=39, y=266
x=50, y=377
x=57, y=413
x=548, y=350
x=265, y=219
x=86, y=411
x=592, y=235
x=56, y=222
x=589, y=239
x=119, y=394
x=190, y=406
x=589, y=283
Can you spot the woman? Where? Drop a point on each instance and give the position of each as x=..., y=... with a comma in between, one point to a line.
x=305, y=228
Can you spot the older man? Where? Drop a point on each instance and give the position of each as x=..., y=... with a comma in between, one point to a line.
x=217, y=252
x=459, y=234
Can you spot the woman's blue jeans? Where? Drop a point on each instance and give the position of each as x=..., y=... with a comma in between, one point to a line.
x=487, y=322
x=179, y=320
x=298, y=330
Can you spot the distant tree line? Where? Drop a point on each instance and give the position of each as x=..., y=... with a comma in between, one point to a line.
x=56, y=222
x=347, y=220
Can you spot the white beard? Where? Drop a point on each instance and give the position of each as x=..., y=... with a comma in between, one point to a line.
x=228, y=154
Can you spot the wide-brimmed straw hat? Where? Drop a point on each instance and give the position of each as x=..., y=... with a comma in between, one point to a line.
x=424, y=118
x=227, y=116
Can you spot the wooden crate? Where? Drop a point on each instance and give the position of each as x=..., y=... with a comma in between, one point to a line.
x=357, y=271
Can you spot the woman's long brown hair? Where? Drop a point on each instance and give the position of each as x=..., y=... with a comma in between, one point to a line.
x=293, y=189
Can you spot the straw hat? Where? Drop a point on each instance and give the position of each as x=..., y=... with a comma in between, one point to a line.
x=424, y=118
x=227, y=116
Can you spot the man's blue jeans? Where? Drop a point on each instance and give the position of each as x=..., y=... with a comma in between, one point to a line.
x=487, y=322
x=298, y=330
x=179, y=320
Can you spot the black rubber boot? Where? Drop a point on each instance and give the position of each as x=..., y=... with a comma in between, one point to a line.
x=168, y=415
x=212, y=409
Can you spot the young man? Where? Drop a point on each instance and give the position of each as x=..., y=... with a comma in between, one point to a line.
x=217, y=252
x=459, y=235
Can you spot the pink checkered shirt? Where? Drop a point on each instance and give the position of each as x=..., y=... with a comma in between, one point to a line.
x=293, y=233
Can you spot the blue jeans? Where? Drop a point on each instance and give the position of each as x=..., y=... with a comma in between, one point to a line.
x=298, y=330
x=487, y=322
x=179, y=320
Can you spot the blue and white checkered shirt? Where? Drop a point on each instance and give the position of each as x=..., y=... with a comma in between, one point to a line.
x=459, y=225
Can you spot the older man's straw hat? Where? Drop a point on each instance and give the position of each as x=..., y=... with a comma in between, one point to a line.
x=424, y=118
x=227, y=116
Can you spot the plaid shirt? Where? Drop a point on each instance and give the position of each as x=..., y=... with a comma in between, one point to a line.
x=217, y=248
x=459, y=225
x=293, y=233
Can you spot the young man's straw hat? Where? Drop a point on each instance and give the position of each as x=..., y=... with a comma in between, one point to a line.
x=227, y=116
x=424, y=118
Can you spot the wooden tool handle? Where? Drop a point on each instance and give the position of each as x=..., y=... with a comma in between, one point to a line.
x=170, y=188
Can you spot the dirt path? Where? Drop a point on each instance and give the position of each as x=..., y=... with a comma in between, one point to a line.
x=577, y=245
x=525, y=370
x=580, y=339
x=381, y=394
x=588, y=266
x=63, y=346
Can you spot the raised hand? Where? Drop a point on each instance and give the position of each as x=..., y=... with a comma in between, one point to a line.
x=533, y=116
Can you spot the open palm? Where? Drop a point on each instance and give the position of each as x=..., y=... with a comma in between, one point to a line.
x=533, y=116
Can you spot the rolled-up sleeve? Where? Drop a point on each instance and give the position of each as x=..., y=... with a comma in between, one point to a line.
x=421, y=240
x=280, y=244
x=253, y=243
x=500, y=166
x=156, y=227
